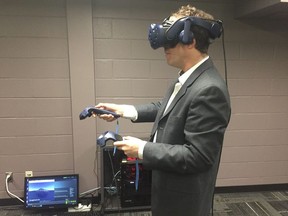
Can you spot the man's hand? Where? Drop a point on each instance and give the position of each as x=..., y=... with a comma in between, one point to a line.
x=130, y=145
x=118, y=109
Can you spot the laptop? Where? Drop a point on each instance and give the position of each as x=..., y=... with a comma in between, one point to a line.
x=57, y=192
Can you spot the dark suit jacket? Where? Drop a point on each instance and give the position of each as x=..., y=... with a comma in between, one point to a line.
x=185, y=158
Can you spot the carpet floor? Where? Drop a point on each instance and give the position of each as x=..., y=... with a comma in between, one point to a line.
x=268, y=203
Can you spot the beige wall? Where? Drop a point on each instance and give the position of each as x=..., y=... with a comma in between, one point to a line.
x=57, y=57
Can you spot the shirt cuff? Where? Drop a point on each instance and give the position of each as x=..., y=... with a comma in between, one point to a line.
x=130, y=112
x=141, y=149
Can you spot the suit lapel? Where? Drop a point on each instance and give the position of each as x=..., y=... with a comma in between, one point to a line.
x=207, y=64
x=163, y=105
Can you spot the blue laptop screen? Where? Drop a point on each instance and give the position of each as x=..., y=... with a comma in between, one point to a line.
x=59, y=191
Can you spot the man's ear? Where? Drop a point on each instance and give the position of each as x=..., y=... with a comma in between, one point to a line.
x=192, y=45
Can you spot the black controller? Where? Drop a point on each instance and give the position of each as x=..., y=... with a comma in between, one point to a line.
x=88, y=111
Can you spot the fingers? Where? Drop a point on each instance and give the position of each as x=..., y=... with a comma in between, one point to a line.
x=130, y=149
x=110, y=107
x=107, y=106
x=101, y=105
x=107, y=117
x=120, y=145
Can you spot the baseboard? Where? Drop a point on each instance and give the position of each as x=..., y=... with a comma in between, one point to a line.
x=252, y=188
x=10, y=202
x=228, y=189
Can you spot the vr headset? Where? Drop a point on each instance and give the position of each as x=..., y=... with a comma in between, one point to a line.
x=170, y=33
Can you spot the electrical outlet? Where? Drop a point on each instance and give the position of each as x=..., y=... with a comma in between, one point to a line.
x=10, y=176
x=28, y=173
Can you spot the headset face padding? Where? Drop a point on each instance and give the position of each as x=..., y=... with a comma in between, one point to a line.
x=180, y=31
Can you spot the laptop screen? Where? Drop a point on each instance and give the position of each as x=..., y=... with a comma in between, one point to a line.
x=61, y=191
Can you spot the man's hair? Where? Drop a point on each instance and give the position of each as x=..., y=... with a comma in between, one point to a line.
x=201, y=35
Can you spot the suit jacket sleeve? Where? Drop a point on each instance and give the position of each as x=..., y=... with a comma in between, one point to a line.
x=147, y=113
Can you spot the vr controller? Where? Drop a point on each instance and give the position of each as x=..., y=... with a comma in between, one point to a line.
x=107, y=136
x=89, y=111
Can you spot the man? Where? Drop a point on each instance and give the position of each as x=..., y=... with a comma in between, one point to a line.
x=186, y=140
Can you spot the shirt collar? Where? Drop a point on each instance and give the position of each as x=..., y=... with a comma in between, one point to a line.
x=184, y=76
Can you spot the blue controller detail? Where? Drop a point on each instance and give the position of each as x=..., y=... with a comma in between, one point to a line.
x=108, y=135
x=88, y=111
